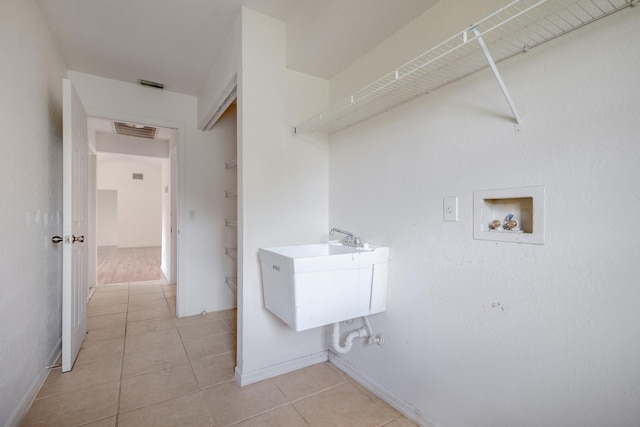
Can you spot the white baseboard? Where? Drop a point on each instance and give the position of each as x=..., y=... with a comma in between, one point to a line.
x=27, y=400
x=303, y=362
x=196, y=312
x=403, y=407
x=246, y=378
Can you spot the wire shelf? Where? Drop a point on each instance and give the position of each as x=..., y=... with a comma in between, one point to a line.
x=516, y=28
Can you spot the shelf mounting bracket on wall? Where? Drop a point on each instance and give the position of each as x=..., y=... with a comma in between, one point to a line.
x=496, y=73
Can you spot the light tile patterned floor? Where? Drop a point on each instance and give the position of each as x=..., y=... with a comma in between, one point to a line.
x=142, y=366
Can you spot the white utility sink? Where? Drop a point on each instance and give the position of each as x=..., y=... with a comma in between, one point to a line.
x=319, y=284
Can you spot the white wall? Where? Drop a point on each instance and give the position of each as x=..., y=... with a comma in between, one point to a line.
x=30, y=205
x=107, y=217
x=139, y=204
x=224, y=72
x=283, y=187
x=481, y=333
x=124, y=144
x=200, y=272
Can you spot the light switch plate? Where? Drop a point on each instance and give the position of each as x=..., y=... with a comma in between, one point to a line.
x=450, y=209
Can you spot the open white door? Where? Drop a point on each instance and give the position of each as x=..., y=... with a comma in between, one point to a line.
x=74, y=218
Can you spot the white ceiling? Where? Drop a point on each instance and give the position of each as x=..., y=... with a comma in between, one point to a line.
x=324, y=37
x=176, y=41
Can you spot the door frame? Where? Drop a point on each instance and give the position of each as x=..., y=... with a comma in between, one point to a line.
x=180, y=175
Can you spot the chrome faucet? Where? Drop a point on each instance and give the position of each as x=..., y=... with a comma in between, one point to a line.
x=349, y=238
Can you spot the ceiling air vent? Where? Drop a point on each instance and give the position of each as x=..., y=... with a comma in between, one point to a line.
x=130, y=129
x=138, y=176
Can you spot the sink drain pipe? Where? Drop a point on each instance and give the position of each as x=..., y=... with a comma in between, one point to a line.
x=363, y=332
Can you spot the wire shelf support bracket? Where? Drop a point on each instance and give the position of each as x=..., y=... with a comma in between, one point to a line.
x=498, y=76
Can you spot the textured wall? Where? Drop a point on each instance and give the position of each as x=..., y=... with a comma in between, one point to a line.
x=30, y=204
x=283, y=186
x=139, y=203
x=481, y=333
x=106, y=217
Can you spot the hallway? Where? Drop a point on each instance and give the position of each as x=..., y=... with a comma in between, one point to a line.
x=142, y=366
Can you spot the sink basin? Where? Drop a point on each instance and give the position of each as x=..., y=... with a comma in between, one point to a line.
x=313, y=285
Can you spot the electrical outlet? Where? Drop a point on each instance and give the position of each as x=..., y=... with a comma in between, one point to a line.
x=450, y=209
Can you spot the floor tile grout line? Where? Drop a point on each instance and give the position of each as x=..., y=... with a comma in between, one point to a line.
x=220, y=384
x=295, y=408
x=193, y=373
x=122, y=365
x=199, y=390
x=189, y=358
x=258, y=414
x=315, y=393
x=187, y=353
x=289, y=401
x=293, y=401
x=121, y=360
x=343, y=379
x=162, y=369
x=86, y=387
x=124, y=348
x=206, y=336
x=169, y=399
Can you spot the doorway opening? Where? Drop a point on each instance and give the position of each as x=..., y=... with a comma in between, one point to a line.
x=129, y=218
x=135, y=202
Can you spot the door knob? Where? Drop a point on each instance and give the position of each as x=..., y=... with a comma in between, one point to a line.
x=78, y=239
x=56, y=239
